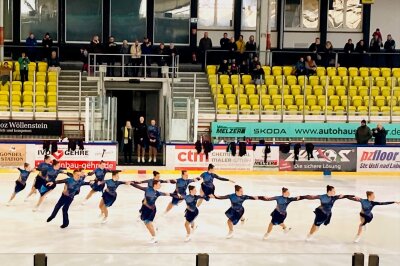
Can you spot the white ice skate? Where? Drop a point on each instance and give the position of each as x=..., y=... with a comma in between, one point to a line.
x=143, y=160
x=155, y=160
x=188, y=238
x=309, y=238
x=150, y=159
x=104, y=220
x=287, y=230
x=153, y=240
x=230, y=235
x=35, y=209
x=83, y=203
x=266, y=236
x=357, y=239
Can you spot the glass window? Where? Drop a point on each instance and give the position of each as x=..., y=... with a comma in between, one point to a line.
x=8, y=19
x=345, y=14
x=128, y=12
x=83, y=20
x=273, y=17
x=215, y=14
x=171, y=21
x=302, y=14
x=249, y=14
x=39, y=17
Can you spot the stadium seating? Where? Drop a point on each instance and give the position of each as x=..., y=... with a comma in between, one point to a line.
x=339, y=91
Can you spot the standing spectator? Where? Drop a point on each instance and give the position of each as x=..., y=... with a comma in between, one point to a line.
x=112, y=50
x=141, y=139
x=23, y=63
x=153, y=133
x=348, y=50
x=380, y=135
x=316, y=49
x=375, y=47
x=363, y=133
x=311, y=66
x=378, y=34
x=232, y=47
x=125, y=50
x=361, y=50
x=47, y=43
x=240, y=48
x=258, y=75
x=136, y=58
x=95, y=47
x=147, y=50
x=54, y=62
x=300, y=68
x=328, y=56
x=31, y=44
x=172, y=52
x=251, y=47
x=204, y=45
x=224, y=42
x=127, y=137
x=161, y=58
x=84, y=59
x=390, y=47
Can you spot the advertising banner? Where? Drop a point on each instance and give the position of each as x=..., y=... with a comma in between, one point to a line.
x=12, y=154
x=292, y=130
x=89, y=158
x=378, y=159
x=272, y=161
x=31, y=127
x=335, y=159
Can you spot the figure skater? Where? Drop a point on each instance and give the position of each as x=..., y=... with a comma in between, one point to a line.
x=98, y=185
x=20, y=183
x=41, y=176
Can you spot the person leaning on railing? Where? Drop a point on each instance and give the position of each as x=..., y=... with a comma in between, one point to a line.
x=136, y=58
x=125, y=51
x=147, y=49
x=363, y=133
x=379, y=133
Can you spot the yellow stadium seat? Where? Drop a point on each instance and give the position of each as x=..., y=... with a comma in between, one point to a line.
x=287, y=70
x=396, y=72
x=267, y=70
x=364, y=72
x=4, y=96
x=342, y=71
x=280, y=80
x=292, y=109
x=334, y=100
x=301, y=80
x=291, y=80
x=385, y=91
x=273, y=90
x=340, y=90
x=279, y=109
x=336, y=81
x=40, y=107
x=391, y=81
x=230, y=99
x=368, y=99
x=269, y=109
x=351, y=110
x=222, y=108
x=307, y=90
x=385, y=110
x=238, y=89
x=224, y=79
x=380, y=101
x=212, y=79
x=246, y=79
x=40, y=86
x=363, y=91
x=386, y=72
x=391, y=101
x=31, y=67
x=299, y=100
x=211, y=69
x=375, y=91
x=358, y=81
x=285, y=89
x=375, y=110
x=321, y=100
x=318, y=90
x=269, y=80
x=227, y=89
x=243, y=99
x=396, y=91
x=265, y=100
x=344, y=100
x=245, y=109
x=339, y=110
x=277, y=71
x=357, y=101
x=311, y=100
x=295, y=89
x=380, y=81
x=28, y=86
x=261, y=89
x=375, y=72
x=315, y=110
x=362, y=110
x=369, y=81
x=323, y=80
x=331, y=90
x=313, y=80
x=41, y=76
x=4, y=105
x=250, y=89
x=5, y=87
x=233, y=108
x=304, y=108
x=321, y=71
x=276, y=100
x=42, y=67
x=27, y=106
x=235, y=80
x=16, y=96
x=40, y=96
x=51, y=97
x=16, y=75
x=396, y=111
x=253, y=99
x=352, y=91
x=353, y=71
x=288, y=100
x=256, y=108
x=329, y=109
x=346, y=81
x=16, y=106
x=27, y=96
x=16, y=85
x=215, y=89
x=331, y=71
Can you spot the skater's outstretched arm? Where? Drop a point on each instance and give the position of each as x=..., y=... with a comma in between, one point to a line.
x=374, y=203
x=355, y=199
x=266, y=198
x=310, y=197
x=220, y=197
x=346, y=197
x=223, y=179
x=135, y=185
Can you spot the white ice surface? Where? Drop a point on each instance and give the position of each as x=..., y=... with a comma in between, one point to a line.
x=123, y=240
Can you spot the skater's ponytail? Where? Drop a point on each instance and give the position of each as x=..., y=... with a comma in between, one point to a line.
x=155, y=173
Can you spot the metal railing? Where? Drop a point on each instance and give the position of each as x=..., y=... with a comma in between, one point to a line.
x=14, y=51
x=127, y=66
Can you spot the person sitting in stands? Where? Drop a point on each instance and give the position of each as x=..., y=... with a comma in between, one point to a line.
x=300, y=67
x=258, y=75
x=234, y=69
x=223, y=67
x=244, y=68
x=311, y=66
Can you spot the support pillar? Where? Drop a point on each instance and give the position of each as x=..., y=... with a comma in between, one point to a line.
x=263, y=30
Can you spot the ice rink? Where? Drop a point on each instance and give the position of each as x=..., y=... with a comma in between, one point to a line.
x=123, y=240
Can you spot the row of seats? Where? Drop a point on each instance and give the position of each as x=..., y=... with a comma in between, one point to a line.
x=40, y=76
x=295, y=90
x=28, y=106
x=33, y=66
x=310, y=100
x=29, y=86
x=310, y=110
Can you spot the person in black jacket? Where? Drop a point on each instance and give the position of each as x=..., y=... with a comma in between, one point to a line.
x=95, y=47
x=361, y=49
x=363, y=133
x=380, y=135
x=161, y=58
x=113, y=49
x=348, y=51
x=224, y=42
x=47, y=43
x=204, y=45
x=141, y=139
x=390, y=47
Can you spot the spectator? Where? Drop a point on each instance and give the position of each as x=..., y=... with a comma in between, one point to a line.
x=224, y=42
x=232, y=48
x=111, y=49
x=363, y=133
x=153, y=133
x=127, y=137
x=380, y=135
x=361, y=49
x=328, y=56
x=31, y=44
x=95, y=47
x=240, y=48
x=141, y=139
x=47, y=43
x=23, y=63
x=253, y=64
x=125, y=50
x=348, y=50
x=390, y=47
x=172, y=52
x=147, y=49
x=258, y=75
x=204, y=45
x=84, y=59
x=234, y=69
x=316, y=49
x=375, y=44
x=378, y=34
x=5, y=73
x=251, y=47
x=300, y=68
x=162, y=58
x=311, y=66
x=136, y=58
x=54, y=63
x=244, y=68
x=223, y=67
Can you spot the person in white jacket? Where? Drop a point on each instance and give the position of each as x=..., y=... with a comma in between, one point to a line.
x=136, y=55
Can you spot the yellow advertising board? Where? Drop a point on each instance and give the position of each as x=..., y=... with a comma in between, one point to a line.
x=367, y=2
x=12, y=154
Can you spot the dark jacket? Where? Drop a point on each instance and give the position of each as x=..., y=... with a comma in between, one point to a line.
x=146, y=48
x=375, y=46
x=162, y=59
x=390, y=46
x=315, y=48
x=224, y=43
x=141, y=134
x=361, y=48
x=223, y=68
x=205, y=44
x=95, y=48
x=47, y=43
x=54, y=62
x=251, y=46
x=349, y=48
x=363, y=135
x=380, y=136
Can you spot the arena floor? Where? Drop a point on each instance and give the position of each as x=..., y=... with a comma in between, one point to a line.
x=123, y=240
